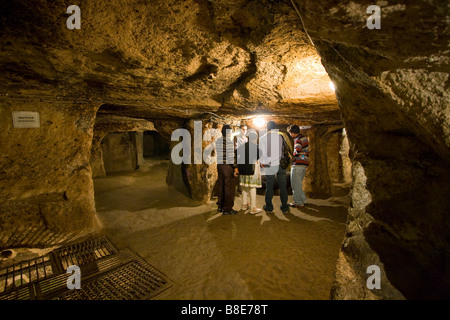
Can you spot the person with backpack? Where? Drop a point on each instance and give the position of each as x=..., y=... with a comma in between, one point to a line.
x=299, y=165
x=249, y=172
x=271, y=145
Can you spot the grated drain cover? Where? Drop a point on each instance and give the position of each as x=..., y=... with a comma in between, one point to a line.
x=106, y=274
x=133, y=281
x=84, y=252
x=19, y=275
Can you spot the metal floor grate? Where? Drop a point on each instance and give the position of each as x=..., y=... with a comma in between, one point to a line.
x=84, y=252
x=23, y=273
x=133, y=281
x=106, y=274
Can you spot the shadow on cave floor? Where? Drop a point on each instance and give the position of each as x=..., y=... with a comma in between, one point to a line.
x=211, y=256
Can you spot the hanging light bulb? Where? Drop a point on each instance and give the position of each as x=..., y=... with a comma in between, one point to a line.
x=259, y=122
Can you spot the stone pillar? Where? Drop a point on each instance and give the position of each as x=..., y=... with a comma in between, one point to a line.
x=139, y=136
x=176, y=173
x=201, y=177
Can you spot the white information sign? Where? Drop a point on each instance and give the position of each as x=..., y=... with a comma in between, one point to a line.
x=25, y=119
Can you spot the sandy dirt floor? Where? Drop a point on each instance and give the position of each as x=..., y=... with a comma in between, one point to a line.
x=209, y=256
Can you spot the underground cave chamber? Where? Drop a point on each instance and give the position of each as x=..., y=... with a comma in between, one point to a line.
x=78, y=105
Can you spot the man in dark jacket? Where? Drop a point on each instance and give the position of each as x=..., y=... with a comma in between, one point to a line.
x=227, y=171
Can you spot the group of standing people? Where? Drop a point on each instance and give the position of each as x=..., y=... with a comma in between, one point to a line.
x=245, y=162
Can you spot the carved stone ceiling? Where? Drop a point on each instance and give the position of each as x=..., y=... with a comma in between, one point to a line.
x=167, y=58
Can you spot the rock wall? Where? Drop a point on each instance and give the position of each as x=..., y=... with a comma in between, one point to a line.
x=120, y=151
x=46, y=189
x=392, y=88
x=176, y=173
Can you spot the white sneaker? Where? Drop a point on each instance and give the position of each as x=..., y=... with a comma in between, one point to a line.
x=255, y=211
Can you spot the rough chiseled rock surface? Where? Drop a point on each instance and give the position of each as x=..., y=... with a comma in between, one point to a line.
x=392, y=87
x=45, y=176
x=166, y=57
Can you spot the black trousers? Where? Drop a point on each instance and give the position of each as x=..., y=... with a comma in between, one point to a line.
x=226, y=184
